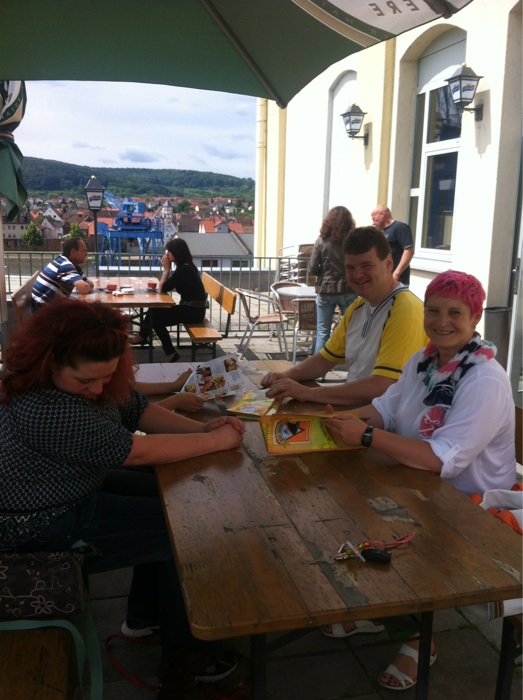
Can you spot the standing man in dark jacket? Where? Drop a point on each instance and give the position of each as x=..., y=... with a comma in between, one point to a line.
x=400, y=240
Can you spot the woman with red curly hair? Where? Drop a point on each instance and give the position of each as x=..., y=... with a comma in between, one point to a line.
x=451, y=412
x=69, y=418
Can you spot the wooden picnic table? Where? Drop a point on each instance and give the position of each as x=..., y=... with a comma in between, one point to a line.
x=253, y=536
x=141, y=298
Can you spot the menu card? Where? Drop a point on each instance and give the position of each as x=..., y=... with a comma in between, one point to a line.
x=287, y=433
x=214, y=378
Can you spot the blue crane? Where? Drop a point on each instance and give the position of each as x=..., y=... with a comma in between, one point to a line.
x=132, y=223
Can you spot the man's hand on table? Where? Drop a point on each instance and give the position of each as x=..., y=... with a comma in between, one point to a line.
x=283, y=388
x=271, y=377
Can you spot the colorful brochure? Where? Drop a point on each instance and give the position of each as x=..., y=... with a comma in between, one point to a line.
x=253, y=404
x=288, y=433
x=215, y=378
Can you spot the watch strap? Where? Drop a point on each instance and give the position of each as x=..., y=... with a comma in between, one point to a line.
x=366, y=438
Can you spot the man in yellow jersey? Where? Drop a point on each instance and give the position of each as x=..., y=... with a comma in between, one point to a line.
x=376, y=336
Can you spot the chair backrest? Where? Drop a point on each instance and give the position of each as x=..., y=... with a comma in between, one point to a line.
x=21, y=298
x=285, y=300
x=225, y=297
x=306, y=319
x=264, y=303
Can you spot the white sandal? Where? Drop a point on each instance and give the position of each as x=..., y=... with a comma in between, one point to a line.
x=405, y=681
x=337, y=631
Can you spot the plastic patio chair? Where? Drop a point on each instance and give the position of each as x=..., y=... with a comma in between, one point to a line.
x=261, y=310
x=306, y=323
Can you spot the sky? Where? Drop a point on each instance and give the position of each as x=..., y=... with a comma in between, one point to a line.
x=135, y=125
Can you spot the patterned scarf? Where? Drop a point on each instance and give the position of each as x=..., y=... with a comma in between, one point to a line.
x=442, y=381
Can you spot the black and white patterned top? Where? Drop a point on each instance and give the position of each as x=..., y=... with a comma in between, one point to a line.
x=55, y=450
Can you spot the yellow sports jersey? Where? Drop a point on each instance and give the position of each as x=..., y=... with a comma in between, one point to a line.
x=378, y=340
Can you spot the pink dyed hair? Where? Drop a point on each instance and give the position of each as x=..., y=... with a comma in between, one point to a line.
x=458, y=285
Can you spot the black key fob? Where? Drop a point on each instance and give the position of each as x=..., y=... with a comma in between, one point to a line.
x=380, y=555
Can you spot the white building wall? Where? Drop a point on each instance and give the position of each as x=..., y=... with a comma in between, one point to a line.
x=320, y=167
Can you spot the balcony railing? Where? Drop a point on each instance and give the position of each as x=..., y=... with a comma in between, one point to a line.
x=257, y=274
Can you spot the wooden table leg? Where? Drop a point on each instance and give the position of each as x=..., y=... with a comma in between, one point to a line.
x=258, y=667
x=422, y=686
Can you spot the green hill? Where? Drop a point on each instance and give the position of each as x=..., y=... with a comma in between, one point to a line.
x=50, y=178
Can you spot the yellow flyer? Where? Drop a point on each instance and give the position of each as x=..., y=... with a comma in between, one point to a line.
x=287, y=433
x=253, y=404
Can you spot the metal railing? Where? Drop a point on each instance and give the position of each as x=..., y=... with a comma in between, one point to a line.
x=256, y=274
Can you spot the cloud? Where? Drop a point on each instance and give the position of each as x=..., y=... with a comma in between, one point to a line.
x=140, y=155
x=80, y=144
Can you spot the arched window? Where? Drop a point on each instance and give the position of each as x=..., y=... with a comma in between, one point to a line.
x=436, y=147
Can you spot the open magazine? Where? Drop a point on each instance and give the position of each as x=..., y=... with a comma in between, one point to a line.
x=214, y=378
x=253, y=404
x=287, y=433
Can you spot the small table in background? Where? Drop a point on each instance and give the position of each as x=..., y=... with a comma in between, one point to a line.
x=298, y=292
x=141, y=298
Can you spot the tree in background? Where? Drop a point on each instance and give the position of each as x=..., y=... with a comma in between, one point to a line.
x=76, y=232
x=32, y=236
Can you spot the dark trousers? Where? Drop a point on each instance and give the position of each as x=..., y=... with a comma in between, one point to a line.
x=124, y=524
x=172, y=316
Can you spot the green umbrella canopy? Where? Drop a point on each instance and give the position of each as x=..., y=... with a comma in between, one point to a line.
x=12, y=108
x=264, y=48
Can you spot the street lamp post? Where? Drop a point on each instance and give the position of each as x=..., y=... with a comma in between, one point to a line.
x=95, y=194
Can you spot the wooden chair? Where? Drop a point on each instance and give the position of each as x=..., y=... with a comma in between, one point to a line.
x=253, y=305
x=306, y=322
x=40, y=594
x=21, y=298
x=512, y=631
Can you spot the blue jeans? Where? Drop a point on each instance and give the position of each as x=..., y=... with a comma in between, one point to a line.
x=325, y=308
x=124, y=524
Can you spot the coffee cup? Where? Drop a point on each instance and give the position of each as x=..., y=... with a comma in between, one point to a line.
x=111, y=287
x=152, y=285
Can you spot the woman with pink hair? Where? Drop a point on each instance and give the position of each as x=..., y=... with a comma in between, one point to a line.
x=451, y=412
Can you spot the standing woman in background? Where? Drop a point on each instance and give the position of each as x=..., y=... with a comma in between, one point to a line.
x=193, y=298
x=327, y=263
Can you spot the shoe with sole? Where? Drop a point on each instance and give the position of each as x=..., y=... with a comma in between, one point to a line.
x=337, y=631
x=174, y=357
x=405, y=682
x=220, y=669
x=137, y=631
x=136, y=339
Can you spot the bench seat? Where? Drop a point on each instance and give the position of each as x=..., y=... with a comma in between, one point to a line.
x=203, y=333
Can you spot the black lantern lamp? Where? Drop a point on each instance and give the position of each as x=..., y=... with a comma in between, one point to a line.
x=463, y=84
x=353, y=120
x=94, y=192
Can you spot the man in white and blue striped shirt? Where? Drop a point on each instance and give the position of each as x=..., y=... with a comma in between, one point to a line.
x=62, y=275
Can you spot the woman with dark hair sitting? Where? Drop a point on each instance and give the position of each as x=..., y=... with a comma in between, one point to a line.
x=193, y=298
x=72, y=464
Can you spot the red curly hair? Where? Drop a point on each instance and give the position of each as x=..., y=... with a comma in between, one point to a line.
x=64, y=333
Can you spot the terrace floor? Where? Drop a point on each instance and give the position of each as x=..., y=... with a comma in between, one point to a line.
x=314, y=667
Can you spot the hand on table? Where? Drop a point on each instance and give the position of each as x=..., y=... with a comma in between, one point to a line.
x=216, y=423
x=282, y=388
x=271, y=377
x=186, y=401
x=348, y=429
x=227, y=431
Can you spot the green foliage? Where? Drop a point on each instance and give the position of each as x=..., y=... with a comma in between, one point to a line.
x=76, y=232
x=32, y=236
x=48, y=178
